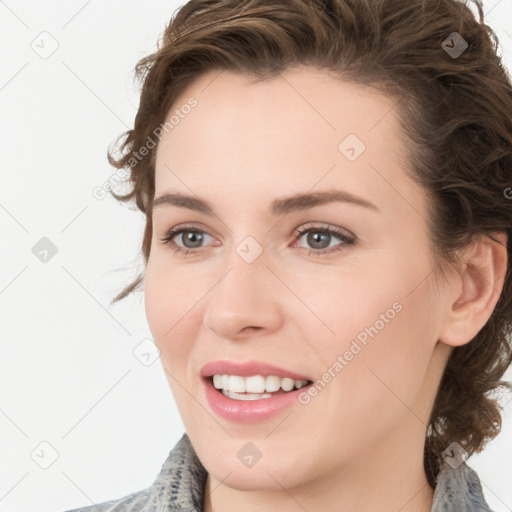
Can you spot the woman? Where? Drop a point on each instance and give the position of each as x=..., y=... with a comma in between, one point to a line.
x=326, y=187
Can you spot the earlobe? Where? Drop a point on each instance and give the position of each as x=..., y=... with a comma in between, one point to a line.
x=476, y=290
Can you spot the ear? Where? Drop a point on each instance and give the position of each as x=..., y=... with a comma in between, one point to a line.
x=474, y=292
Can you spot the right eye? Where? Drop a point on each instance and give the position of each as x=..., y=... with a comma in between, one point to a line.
x=192, y=236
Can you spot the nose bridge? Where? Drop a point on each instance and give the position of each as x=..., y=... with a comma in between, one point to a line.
x=246, y=268
x=246, y=293
x=246, y=277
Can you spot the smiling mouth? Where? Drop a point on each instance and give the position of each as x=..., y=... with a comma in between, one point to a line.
x=255, y=388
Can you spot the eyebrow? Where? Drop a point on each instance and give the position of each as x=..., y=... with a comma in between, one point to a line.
x=279, y=206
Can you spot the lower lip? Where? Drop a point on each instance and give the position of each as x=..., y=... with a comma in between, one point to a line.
x=248, y=411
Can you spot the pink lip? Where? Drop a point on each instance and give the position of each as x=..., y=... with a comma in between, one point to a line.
x=248, y=368
x=248, y=411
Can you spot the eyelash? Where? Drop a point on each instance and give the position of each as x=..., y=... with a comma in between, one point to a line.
x=346, y=239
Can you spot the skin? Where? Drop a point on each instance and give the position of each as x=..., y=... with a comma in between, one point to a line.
x=358, y=445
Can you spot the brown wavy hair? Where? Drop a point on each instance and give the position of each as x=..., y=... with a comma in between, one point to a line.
x=455, y=112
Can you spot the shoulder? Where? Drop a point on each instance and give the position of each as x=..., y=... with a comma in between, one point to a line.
x=133, y=502
x=459, y=488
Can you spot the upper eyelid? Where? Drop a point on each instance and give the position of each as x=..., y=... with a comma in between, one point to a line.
x=312, y=225
x=304, y=226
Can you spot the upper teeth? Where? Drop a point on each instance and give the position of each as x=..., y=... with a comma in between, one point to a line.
x=255, y=383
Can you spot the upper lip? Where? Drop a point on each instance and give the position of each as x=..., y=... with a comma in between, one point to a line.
x=248, y=368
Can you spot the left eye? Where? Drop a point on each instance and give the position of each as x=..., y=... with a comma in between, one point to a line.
x=316, y=236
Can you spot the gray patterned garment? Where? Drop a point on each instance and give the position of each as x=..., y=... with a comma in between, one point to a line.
x=180, y=488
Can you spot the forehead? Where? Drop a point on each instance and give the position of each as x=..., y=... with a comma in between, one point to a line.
x=300, y=105
x=286, y=134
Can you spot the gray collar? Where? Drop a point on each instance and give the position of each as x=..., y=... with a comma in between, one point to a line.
x=180, y=485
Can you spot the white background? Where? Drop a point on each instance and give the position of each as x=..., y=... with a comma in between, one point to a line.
x=69, y=376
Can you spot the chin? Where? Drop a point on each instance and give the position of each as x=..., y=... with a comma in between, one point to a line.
x=257, y=479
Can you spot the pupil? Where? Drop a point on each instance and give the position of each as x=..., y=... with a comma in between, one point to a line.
x=191, y=237
x=313, y=239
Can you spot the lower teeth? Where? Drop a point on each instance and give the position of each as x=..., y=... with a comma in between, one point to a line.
x=245, y=396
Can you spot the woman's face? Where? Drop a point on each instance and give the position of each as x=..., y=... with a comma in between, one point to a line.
x=357, y=315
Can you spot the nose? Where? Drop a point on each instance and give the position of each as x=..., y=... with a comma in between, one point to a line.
x=246, y=298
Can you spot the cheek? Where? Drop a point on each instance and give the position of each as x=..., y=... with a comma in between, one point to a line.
x=168, y=305
x=383, y=381
x=173, y=323
x=380, y=348
x=158, y=302
x=169, y=293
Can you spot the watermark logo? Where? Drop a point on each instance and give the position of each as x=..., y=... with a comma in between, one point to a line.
x=355, y=348
x=44, y=455
x=249, y=454
x=44, y=250
x=151, y=142
x=249, y=249
x=158, y=132
x=454, y=45
x=44, y=44
x=455, y=455
x=100, y=192
x=146, y=352
x=351, y=147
